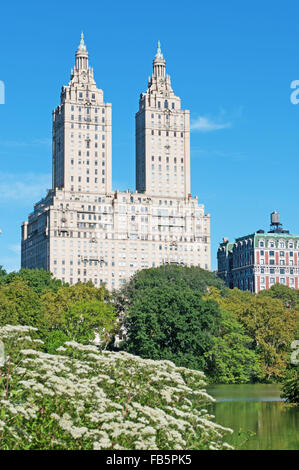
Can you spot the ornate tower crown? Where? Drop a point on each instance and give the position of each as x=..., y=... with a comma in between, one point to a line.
x=159, y=64
x=82, y=55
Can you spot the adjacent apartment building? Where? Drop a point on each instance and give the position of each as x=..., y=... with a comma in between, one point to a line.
x=257, y=261
x=83, y=229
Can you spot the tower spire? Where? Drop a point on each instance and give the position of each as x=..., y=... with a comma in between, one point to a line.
x=82, y=46
x=159, y=53
x=82, y=55
x=159, y=63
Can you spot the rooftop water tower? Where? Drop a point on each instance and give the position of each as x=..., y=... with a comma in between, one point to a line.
x=275, y=219
x=276, y=226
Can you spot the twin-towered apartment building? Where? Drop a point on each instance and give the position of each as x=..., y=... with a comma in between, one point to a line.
x=83, y=229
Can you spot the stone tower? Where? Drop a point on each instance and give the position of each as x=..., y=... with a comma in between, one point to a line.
x=82, y=133
x=162, y=138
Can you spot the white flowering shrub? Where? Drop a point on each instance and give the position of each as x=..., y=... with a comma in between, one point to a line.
x=82, y=398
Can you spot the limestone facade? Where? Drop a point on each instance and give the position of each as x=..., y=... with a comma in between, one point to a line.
x=83, y=230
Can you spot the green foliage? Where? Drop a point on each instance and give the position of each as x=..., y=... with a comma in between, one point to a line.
x=231, y=358
x=54, y=339
x=38, y=280
x=3, y=273
x=170, y=323
x=179, y=277
x=56, y=304
x=182, y=314
x=270, y=325
x=290, y=385
x=83, y=318
x=59, y=311
x=248, y=340
x=289, y=297
x=19, y=304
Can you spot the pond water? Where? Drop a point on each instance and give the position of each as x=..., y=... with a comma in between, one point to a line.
x=257, y=409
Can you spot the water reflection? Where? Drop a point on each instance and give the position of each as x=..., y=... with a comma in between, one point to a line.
x=259, y=409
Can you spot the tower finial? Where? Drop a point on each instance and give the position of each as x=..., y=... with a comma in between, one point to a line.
x=159, y=54
x=82, y=46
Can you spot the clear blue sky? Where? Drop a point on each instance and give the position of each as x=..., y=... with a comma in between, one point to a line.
x=231, y=63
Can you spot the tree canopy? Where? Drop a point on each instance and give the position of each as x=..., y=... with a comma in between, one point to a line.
x=232, y=359
x=61, y=312
x=170, y=323
x=38, y=280
x=179, y=277
x=182, y=314
x=270, y=325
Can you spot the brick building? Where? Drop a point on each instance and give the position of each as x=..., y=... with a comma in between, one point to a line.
x=257, y=261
